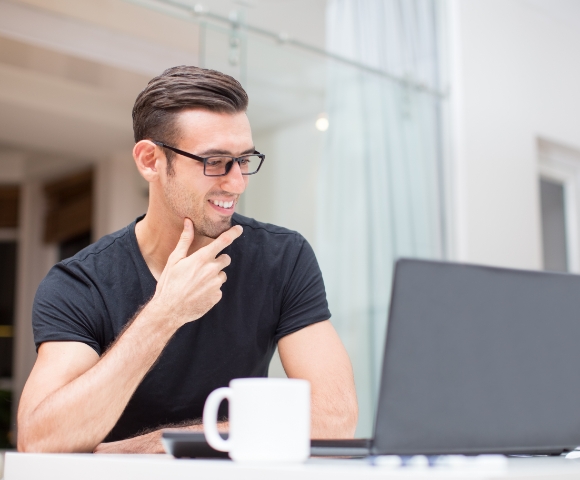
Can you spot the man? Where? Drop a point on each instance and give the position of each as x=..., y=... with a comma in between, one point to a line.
x=137, y=329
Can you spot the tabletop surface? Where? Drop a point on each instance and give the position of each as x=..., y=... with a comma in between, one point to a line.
x=20, y=466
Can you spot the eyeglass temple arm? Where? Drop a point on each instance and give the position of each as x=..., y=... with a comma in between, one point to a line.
x=180, y=152
x=202, y=159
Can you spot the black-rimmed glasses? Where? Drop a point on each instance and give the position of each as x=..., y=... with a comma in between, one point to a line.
x=220, y=165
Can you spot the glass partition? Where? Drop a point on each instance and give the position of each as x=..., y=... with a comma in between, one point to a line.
x=353, y=162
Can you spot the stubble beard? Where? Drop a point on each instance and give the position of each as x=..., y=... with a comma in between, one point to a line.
x=189, y=205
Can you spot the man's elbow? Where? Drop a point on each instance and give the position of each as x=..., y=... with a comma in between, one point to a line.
x=337, y=420
x=26, y=443
x=31, y=440
x=349, y=419
x=45, y=446
x=346, y=415
x=25, y=446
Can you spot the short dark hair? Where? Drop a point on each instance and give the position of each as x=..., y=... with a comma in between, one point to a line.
x=180, y=88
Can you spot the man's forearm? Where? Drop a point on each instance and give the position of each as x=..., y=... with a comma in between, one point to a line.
x=150, y=442
x=333, y=419
x=79, y=415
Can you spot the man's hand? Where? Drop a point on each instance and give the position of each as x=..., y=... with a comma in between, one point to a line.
x=150, y=442
x=73, y=398
x=190, y=286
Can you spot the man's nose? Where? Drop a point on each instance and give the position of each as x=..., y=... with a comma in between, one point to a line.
x=234, y=181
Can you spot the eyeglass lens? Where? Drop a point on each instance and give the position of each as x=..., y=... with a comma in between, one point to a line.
x=218, y=165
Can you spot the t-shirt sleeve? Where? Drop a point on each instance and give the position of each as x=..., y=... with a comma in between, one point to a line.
x=304, y=300
x=64, y=310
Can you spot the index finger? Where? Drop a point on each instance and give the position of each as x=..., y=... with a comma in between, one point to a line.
x=224, y=240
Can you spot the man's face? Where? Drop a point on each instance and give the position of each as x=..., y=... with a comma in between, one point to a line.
x=188, y=192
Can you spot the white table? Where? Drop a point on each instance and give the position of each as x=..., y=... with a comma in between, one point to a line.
x=20, y=466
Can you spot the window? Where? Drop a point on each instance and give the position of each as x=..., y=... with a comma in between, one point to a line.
x=554, y=244
x=9, y=200
x=69, y=213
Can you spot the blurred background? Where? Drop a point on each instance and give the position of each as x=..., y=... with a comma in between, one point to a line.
x=444, y=129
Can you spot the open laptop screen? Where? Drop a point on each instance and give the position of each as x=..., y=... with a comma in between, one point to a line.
x=480, y=360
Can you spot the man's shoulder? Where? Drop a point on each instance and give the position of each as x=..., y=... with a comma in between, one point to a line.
x=266, y=229
x=107, y=252
x=267, y=246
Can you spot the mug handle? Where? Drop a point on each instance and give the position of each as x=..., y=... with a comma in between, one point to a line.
x=210, y=412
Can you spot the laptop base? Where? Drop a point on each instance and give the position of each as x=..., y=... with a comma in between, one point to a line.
x=358, y=447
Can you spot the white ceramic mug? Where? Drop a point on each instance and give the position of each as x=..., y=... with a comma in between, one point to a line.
x=269, y=420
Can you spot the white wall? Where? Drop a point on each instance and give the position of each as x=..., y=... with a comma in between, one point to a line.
x=516, y=77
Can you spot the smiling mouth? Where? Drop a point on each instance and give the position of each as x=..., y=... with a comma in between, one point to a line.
x=225, y=205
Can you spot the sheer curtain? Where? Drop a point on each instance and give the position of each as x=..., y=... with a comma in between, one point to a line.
x=380, y=178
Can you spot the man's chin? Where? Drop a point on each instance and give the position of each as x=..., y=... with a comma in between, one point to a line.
x=213, y=229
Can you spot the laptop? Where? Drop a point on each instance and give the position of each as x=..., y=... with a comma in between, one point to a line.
x=477, y=360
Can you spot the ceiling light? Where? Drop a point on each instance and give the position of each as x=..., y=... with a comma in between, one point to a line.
x=322, y=122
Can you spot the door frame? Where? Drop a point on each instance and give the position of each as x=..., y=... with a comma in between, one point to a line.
x=562, y=165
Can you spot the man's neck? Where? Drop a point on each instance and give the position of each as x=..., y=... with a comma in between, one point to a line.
x=157, y=236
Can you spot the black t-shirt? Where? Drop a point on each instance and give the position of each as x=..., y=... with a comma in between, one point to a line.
x=274, y=287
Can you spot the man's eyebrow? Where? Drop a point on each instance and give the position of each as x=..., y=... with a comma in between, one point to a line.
x=217, y=151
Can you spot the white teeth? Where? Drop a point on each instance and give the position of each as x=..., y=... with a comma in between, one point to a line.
x=221, y=203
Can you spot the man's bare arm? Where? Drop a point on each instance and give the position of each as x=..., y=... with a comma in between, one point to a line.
x=316, y=353
x=151, y=442
x=73, y=398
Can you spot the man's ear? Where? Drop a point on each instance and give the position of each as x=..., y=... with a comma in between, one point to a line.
x=148, y=159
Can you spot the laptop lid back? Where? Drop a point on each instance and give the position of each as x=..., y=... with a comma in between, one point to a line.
x=480, y=360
